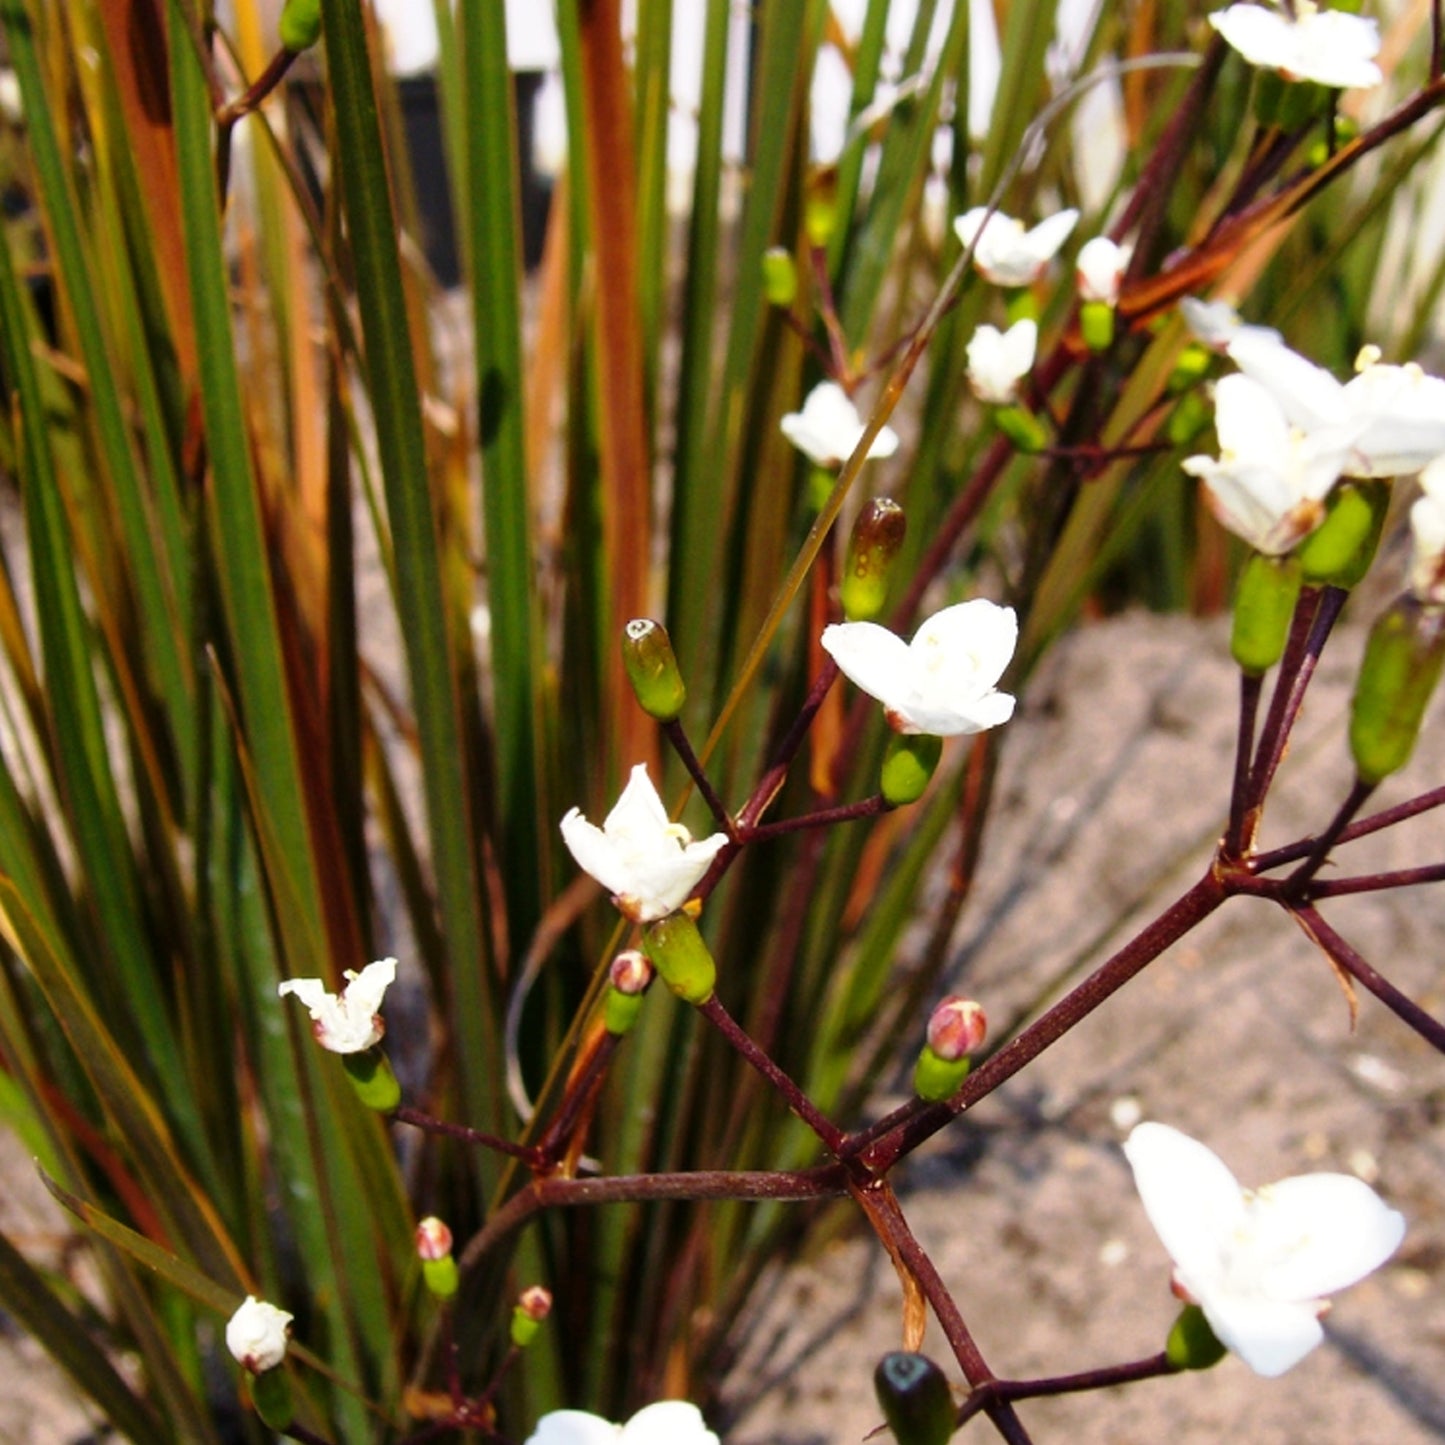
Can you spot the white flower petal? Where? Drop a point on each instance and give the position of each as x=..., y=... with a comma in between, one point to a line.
x=1006, y=254
x=574, y=1427
x=999, y=360
x=669, y=1422
x=870, y=657
x=1307, y=394
x=1100, y=268
x=828, y=428
x=256, y=1335
x=1191, y=1198
x=1270, y=1336
x=348, y=1022
x=1328, y=47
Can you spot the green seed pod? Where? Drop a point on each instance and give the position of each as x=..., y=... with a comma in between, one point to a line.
x=915, y=1397
x=1190, y=369
x=1187, y=419
x=1399, y=672
x=679, y=954
x=1021, y=427
x=908, y=764
x=271, y=1397
x=300, y=26
x=652, y=669
x=1192, y=1345
x=1264, y=604
x=936, y=1078
x=371, y=1076
x=780, y=276
x=877, y=536
x=1339, y=551
x=441, y=1276
x=1096, y=323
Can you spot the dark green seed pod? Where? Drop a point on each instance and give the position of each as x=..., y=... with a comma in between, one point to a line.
x=915, y=1397
x=371, y=1076
x=1192, y=1345
x=679, y=954
x=908, y=764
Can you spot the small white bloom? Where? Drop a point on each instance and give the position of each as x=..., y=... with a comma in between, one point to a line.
x=649, y=864
x=1216, y=323
x=1100, y=268
x=1259, y=1263
x=945, y=681
x=350, y=1022
x=669, y=1422
x=1005, y=253
x=1271, y=479
x=256, y=1335
x=1391, y=417
x=999, y=360
x=1329, y=47
x=828, y=428
x=1427, y=529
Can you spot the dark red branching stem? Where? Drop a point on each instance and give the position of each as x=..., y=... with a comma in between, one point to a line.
x=843, y=813
x=1376, y=882
x=676, y=734
x=1251, y=685
x=419, y=1119
x=831, y=1135
x=1099, y=1379
x=1298, y=881
x=1344, y=956
x=1385, y=818
x=250, y=99
x=581, y=1090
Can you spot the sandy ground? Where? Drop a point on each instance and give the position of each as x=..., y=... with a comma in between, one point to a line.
x=1112, y=792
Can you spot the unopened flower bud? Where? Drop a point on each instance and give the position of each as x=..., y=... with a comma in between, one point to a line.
x=1400, y=669
x=908, y=764
x=1192, y=1345
x=820, y=206
x=682, y=958
x=300, y=26
x=256, y=1335
x=433, y=1238
x=1263, y=607
x=915, y=1397
x=652, y=669
x=877, y=536
x=533, y=1306
x=780, y=276
x=1339, y=551
x=956, y=1027
x=434, y=1248
x=371, y=1076
x=628, y=980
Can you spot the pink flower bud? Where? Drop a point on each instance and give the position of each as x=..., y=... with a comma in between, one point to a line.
x=631, y=973
x=535, y=1302
x=956, y=1027
x=433, y=1239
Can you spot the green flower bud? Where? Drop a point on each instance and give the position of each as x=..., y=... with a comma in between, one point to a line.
x=1096, y=323
x=915, y=1397
x=441, y=1276
x=877, y=536
x=434, y=1248
x=677, y=950
x=780, y=276
x=271, y=1398
x=372, y=1078
x=534, y=1304
x=652, y=669
x=1264, y=605
x=1021, y=427
x=1192, y=1345
x=1399, y=672
x=300, y=26
x=908, y=764
x=1339, y=551
x=936, y=1078
x=820, y=206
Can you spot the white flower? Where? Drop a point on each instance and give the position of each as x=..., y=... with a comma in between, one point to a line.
x=999, y=360
x=1427, y=529
x=1271, y=479
x=647, y=863
x=669, y=1422
x=1100, y=267
x=1329, y=47
x=1216, y=323
x=1259, y=1263
x=944, y=681
x=1392, y=418
x=256, y=1335
x=828, y=428
x=1005, y=253
x=350, y=1022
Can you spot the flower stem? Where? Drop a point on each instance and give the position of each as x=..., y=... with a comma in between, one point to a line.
x=843, y=813
x=1097, y=1379
x=419, y=1119
x=676, y=734
x=1385, y=818
x=1251, y=685
x=1320, y=850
